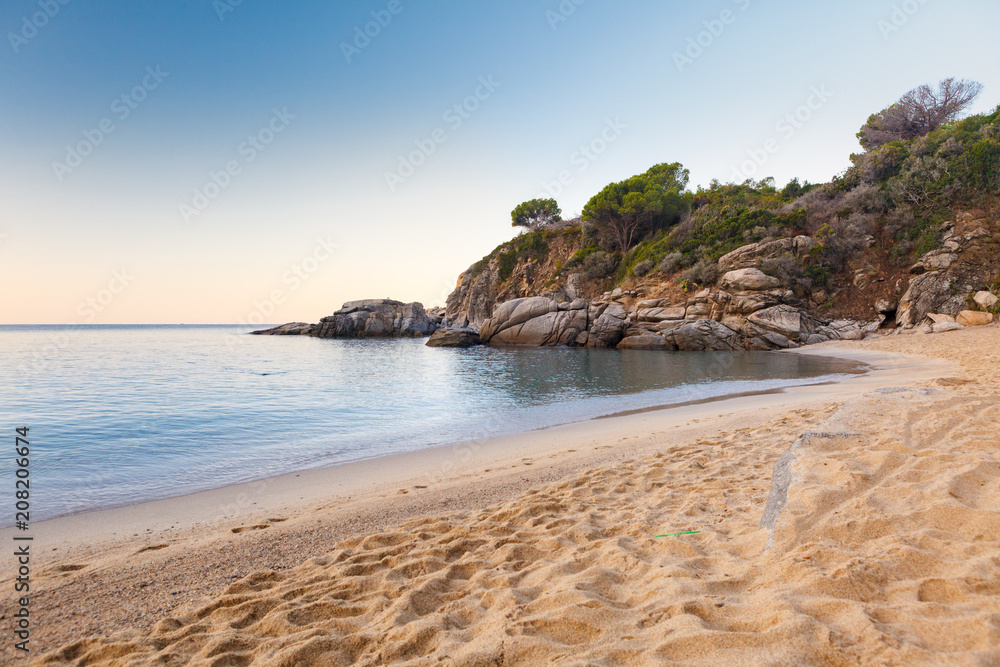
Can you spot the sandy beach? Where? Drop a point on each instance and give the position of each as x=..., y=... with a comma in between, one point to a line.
x=875, y=542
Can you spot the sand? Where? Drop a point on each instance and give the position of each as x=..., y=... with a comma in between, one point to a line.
x=877, y=541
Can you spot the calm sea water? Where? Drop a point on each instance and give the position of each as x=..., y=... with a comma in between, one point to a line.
x=121, y=414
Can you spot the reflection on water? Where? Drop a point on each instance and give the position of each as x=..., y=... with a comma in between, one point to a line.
x=126, y=413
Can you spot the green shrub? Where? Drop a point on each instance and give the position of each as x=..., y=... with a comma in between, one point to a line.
x=704, y=273
x=598, y=265
x=670, y=263
x=643, y=267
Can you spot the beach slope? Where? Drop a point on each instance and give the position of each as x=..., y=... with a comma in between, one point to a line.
x=853, y=527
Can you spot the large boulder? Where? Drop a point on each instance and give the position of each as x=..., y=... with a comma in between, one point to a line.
x=757, y=255
x=927, y=293
x=454, y=338
x=974, y=318
x=785, y=320
x=748, y=280
x=701, y=335
x=535, y=321
x=608, y=323
x=751, y=303
x=376, y=318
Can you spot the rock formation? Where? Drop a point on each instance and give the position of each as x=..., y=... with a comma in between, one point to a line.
x=944, y=276
x=536, y=321
x=290, y=329
x=371, y=318
x=377, y=318
x=756, y=255
x=454, y=338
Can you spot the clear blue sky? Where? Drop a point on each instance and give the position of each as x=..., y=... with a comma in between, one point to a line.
x=200, y=78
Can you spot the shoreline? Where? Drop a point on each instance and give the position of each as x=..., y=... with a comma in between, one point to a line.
x=287, y=491
x=240, y=486
x=126, y=569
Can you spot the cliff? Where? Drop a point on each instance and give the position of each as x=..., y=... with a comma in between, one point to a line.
x=911, y=229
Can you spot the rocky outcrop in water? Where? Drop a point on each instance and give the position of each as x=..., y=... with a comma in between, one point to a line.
x=369, y=318
x=377, y=318
x=454, y=338
x=290, y=329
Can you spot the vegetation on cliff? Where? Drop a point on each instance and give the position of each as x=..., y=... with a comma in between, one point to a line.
x=919, y=167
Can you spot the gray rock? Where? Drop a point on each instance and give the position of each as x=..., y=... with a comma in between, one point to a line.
x=660, y=314
x=703, y=335
x=290, y=329
x=784, y=320
x=944, y=327
x=376, y=318
x=652, y=303
x=608, y=329
x=536, y=322
x=574, y=285
x=751, y=303
x=885, y=307
x=748, y=280
x=454, y=338
x=756, y=254
x=926, y=293
x=515, y=312
x=777, y=340
x=472, y=301
x=698, y=311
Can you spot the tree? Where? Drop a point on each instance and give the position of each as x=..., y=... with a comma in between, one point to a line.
x=624, y=212
x=919, y=112
x=535, y=213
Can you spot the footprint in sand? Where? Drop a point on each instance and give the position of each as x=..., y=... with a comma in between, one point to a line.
x=69, y=568
x=65, y=569
x=243, y=529
x=154, y=547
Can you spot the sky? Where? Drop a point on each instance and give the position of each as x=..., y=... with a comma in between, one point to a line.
x=227, y=161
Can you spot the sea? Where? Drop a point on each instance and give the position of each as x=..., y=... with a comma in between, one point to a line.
x=120, y=414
